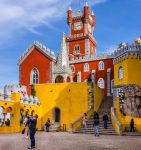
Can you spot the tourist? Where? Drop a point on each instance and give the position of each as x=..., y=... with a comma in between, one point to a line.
x=85, y=119
x=7, y=122
x=26, y=126
x=105, y=120
x=96, y=123
x=96, y=115
x=47, y=125
x=132, y=128
x=32, y=121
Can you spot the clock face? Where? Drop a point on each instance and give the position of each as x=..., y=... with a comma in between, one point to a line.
x=78, y=26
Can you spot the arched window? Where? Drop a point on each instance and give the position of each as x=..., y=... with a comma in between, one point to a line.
x=79, y=77
x=34, y=76
x=73, y=69
x=101, y=65
x=120, y=73
x=86, y=67
x=76, y=49
x=100, y=83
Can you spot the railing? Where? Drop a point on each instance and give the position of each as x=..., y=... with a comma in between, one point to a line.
x=115, y=120
x=76, y=124
x=5, y=97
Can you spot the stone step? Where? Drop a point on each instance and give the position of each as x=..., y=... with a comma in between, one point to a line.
x=101, y=129
x=101, y=133
x=88, y=128
x=131, y=133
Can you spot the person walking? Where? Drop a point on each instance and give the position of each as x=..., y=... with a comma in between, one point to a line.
x=105, y=120
x=85, y=119
x=32, y=121
x=47, y=125
x=96, y=115
x=96, y=123
x=132, y=128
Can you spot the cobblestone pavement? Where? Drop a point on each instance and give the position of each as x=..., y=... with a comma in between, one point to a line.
x=67, y=141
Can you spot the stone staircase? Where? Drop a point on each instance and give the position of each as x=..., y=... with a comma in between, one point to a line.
x=90, y=130
x=105, y=107
x=54, y=127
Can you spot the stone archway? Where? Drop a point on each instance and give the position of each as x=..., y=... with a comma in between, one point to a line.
x=59, y=79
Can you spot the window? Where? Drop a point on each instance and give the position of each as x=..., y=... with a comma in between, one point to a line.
x=86, y=67
x=73, y=69
x=76, y=49
x=100, y=83
x=79, y=77
x=120, y=73
x=34, y=76
x=101, y=65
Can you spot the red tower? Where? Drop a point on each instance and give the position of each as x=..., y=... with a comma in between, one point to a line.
x=84, y=61
x=81, y=42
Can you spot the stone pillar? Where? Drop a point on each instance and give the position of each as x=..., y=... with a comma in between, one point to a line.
x=93, y=76
x=108, y=81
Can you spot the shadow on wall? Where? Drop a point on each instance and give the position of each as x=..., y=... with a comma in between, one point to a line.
x=71, y=99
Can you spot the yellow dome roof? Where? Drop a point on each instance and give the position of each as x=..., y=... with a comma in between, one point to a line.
x=138, y=41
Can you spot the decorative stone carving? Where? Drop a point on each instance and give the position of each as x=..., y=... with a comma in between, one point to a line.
x=130, y=100
x=62, y=67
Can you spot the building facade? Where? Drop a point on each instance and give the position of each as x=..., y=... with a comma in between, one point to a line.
x=77, y=61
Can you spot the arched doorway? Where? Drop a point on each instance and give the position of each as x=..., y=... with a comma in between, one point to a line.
x=59, y=79
x=56, y=115
x=68, y=79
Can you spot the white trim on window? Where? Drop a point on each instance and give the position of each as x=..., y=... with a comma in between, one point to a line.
x=86, y=67
x=76, y=49
x=72, y=68
x=101, y=65
x=34, y=76
x=100, y=83
x=79, y=76
x=120, y=73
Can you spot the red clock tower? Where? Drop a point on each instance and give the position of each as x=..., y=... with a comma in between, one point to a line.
x=81, y=41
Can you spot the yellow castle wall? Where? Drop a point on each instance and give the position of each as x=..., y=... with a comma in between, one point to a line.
x=15, y=118
x=131, y=71
x=15, y=114
x=70, y=98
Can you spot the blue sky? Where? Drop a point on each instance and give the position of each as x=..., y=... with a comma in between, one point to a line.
x=24, y=21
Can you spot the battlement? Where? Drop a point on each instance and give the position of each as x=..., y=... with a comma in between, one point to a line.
x=6, y=95
x=77, y=14
x=126, y=48
x=92, y=58
x=41, y=47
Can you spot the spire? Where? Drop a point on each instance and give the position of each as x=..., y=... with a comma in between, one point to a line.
x=86, y=4
x=63, y=56
x=63, y=60
x=92, y=13
x=70, y=8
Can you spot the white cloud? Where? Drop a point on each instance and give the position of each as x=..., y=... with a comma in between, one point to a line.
x=24, y=15
x=99, y=1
